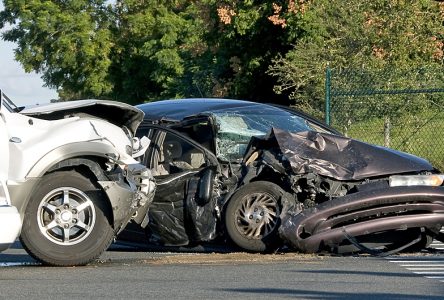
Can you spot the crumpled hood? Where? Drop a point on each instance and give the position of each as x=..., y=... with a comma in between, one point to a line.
x=340, y=157
x=117, y=113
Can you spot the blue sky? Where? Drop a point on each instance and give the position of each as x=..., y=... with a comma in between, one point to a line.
x=21, y=87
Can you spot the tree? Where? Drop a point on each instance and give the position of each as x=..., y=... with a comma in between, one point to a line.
x=131, y=50
x=136, y=51
x=243, y=38
x=376, y=35
x=69, y=42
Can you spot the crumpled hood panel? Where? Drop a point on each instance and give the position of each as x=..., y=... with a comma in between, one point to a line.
x=342, y=158
x=117, y=113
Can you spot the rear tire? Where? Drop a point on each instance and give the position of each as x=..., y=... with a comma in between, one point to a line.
x=252, y=217
x=66, y=222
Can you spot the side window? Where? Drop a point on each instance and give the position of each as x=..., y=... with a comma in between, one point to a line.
x=172, y=154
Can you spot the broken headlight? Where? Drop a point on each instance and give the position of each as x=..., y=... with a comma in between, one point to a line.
x=411, y=180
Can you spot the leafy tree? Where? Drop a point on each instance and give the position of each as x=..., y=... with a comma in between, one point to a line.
x=156, y=42
x=135, y=50
x=376, y=35
x=131, y=50
x=69, y=42
x=243, y=39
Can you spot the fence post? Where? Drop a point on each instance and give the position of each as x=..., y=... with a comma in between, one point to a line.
x=327, y=95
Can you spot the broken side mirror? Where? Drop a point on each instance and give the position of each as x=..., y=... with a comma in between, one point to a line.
x=206, y=186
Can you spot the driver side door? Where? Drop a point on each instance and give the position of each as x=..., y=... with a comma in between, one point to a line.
x=183, y=210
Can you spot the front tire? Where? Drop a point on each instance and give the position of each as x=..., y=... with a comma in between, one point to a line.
x=252, y=216
x=66, y=222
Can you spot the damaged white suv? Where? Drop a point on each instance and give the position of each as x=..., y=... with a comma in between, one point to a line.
x=73, y=176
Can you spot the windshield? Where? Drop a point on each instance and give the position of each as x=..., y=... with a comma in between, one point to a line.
x=236, y=127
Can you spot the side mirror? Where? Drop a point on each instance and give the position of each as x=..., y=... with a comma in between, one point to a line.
x=206, y=186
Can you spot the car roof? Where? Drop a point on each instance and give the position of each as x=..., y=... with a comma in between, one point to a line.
x=177, y=109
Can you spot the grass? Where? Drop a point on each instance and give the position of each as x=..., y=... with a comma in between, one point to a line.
x=421, y=134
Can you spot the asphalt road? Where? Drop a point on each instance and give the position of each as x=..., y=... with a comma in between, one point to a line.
x=127, y=273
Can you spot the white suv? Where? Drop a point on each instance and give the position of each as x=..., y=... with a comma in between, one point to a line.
x=73, y=177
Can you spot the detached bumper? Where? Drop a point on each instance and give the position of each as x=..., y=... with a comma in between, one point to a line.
x=361, y=214
x=131, y=195
x=10, y=226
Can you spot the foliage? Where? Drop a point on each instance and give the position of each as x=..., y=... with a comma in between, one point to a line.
x=382, y=34
x=69, y=42
x=243, y=38
x=136, y=51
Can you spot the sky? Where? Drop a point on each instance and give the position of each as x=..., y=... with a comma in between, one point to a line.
x=21, y=87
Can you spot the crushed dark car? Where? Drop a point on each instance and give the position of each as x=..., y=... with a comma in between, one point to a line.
x=263, y=175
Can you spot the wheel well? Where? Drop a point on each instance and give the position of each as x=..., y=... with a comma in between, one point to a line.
x=93, y=169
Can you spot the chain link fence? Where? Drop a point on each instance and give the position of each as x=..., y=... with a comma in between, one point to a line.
x=403, y=110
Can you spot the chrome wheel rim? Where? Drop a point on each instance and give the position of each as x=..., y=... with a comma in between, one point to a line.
x=66, y=216
x=257, y=215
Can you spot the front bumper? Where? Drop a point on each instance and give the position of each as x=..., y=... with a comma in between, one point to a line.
x=10, y=226
x=364, y=213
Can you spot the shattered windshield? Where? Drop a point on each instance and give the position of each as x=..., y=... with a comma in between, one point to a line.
x=236, y=127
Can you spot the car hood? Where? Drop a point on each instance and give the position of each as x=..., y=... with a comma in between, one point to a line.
x=117, y=113
x=340, y=157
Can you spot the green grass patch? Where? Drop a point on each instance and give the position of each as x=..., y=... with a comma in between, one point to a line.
x=420, y=134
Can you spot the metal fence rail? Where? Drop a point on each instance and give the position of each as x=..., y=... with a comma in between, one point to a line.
x=403, y=110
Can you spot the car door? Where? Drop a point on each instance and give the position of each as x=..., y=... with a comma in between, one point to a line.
x=183, y=210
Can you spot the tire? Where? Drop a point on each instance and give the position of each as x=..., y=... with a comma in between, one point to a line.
x=252, y=216
x=66, y=221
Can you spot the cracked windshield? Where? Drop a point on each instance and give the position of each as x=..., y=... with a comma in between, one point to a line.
x=235, y=128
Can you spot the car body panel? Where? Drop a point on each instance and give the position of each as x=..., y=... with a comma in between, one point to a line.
x=120, y=114
x=10, y=222
x=331, y=223
x=340, y=157
x=176, y=202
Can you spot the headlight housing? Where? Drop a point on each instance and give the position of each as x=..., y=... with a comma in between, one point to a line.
x=411, y=180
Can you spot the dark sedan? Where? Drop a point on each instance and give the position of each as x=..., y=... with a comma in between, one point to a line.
x=260, y=175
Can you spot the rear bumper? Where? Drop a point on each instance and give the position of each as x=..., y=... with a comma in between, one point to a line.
x=10, y=226
x=359, y=214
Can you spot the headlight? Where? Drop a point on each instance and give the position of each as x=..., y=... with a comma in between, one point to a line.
x=409, y=180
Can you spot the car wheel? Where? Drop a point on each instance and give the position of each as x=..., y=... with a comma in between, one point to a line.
x=252, y=216
x=66, y=222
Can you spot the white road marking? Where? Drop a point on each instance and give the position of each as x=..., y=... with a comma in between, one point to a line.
x=18, y=264
x=429, y=268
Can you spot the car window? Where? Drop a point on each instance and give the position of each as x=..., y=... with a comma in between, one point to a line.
x=236, y=128
x=172, y=154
